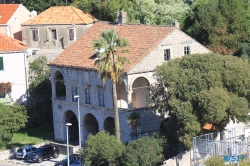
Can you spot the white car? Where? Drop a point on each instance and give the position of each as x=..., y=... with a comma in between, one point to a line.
x=24, y=151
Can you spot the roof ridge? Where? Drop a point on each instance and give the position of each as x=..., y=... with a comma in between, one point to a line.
x=72, y=7
x=131, y=24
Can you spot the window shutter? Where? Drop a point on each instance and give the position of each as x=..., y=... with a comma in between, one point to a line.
x=1, y=63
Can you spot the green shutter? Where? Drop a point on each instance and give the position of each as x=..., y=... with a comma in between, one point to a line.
x=1, y=63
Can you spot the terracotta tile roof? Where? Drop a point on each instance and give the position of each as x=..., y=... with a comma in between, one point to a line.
x=10, y=44
x=208, y=126
x=6, y=11
x=62, y=15
x=142, y=39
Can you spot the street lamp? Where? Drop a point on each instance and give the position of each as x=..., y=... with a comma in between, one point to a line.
x=67, y=127
x=78, y=108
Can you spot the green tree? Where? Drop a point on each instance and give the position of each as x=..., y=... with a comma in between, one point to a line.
x=221, y=25
x=40, y=106
x=12, y=118
x=200, y=89
x=244, y=51
x=154, y=12
x=102, y=149
x=111, y=65
x=142, y=152
x=42, y=5
x=105, y=10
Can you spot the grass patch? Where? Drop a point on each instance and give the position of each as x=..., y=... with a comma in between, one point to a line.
x=29, y=136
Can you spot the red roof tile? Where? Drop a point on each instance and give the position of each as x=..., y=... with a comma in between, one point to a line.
x=10, y=44
x=142, y=39
x=6, y=11
x=208, y=126
x=62, y=15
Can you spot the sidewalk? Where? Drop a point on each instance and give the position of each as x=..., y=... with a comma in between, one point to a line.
x=19, y=162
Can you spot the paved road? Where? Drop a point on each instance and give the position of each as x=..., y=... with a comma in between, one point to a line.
x=19, y=162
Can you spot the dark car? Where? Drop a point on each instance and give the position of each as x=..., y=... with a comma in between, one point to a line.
x=44, y=152
x=64, y=162
x=24, y=151
x=77, y=163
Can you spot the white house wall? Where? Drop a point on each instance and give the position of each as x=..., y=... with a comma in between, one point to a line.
x=22, y=14
x=175, y=42
x=14, y=72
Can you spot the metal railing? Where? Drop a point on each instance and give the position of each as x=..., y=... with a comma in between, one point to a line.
x=235, y=143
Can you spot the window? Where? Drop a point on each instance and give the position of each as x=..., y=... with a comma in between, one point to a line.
x=101, y=97
x=35, y=34
x=87, y=95
x=1, y=63
x=74, y=92
x=187, y=50
x=15, y=21
x=53, y=34
x=166, y=54
x=71, y=34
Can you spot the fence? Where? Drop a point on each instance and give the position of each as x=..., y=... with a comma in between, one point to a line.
x=231, y=142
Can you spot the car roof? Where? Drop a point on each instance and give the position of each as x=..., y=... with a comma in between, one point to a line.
x=26, y=146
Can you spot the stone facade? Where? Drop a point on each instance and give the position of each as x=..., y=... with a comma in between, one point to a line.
x=176, y=42
x=75, y=77
x=132, y=94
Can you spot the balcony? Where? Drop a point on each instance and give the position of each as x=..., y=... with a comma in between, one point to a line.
x=5, y=100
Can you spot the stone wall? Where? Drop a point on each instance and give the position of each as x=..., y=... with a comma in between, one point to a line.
x=182, y=159
x=175, y=41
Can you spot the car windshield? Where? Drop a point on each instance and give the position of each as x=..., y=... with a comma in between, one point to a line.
x=70, y=158
x=76, y=162
x=20, y=150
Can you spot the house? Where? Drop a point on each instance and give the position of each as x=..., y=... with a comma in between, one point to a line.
x=53, y=30
x=13, y=68
x=149, y=46
x=11, y=18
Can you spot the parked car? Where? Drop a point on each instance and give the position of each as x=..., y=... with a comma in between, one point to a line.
x=24, y=151
x=77, y=163
x=64, y=162
x=44, y=152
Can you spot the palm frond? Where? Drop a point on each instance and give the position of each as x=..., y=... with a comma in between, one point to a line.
x=110, y=63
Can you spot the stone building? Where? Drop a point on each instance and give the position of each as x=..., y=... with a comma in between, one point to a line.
x=55, y=29
x=149, y=46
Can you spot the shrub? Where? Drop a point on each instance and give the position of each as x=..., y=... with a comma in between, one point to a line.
x=102, y=149
x=142, y=152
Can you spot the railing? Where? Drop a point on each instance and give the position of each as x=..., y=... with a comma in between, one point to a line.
x=5, y=100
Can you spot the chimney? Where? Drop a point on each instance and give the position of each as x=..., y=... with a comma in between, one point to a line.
x=122, y=16
x=176, y=24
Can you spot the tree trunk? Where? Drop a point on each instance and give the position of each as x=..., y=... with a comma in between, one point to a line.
x=116, y=114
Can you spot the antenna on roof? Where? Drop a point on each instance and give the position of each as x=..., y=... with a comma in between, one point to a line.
x=33, y=12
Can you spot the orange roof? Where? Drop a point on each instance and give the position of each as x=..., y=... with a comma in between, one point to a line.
x=62, y=15
x=142, y=39
x=208, y=126
x=10, y=44
x=6, y=11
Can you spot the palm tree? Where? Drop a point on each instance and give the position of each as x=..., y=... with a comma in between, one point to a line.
x=111, y=65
